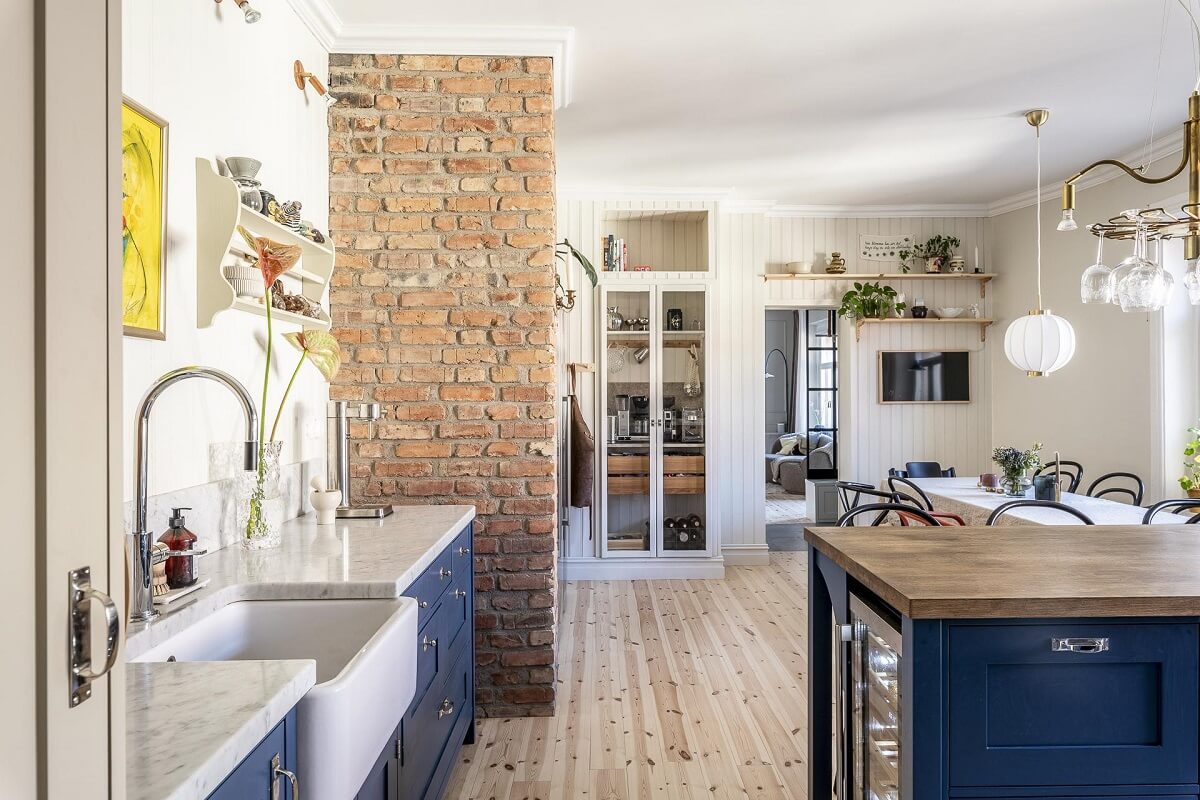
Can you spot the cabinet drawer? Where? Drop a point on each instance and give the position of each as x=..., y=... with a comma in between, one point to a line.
x=426, y=728
x=252, y=779
x=428, y=588
x=628, y=465
x=691, y=464
x=683, y=484
x=628, y=485
x=1023, y=714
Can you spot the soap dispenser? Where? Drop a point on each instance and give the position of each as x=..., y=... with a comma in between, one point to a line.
x=181, y=570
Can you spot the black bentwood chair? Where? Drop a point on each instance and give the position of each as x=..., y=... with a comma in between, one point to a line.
x=927, y=469
x=1004, y=509
x=1179, y=504
x=883, y=509
x=1071, y=471
x=1115, y=480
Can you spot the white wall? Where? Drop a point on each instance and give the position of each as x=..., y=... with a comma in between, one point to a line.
x=226, y=89
x=1098, y=409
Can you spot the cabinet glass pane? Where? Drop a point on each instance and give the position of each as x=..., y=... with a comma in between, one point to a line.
x=683, y=386
x=876, y=677
x=627, y=428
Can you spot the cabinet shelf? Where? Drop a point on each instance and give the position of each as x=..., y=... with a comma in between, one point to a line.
x=219, y=212
x=983, y=278
x=981, y=323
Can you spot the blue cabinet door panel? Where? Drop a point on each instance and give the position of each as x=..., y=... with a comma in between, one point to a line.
x=252, y=779
x=428, y=588
x=1021, y=714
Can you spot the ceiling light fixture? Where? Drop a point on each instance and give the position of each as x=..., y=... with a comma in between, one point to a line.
x=1140, y=283
x=251, y=14
x=1039, y=342
x=301, y=75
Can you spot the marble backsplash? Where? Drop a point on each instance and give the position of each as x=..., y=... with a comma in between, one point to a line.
x=214, y=505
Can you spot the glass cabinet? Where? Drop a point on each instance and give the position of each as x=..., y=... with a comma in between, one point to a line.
x=653, y=421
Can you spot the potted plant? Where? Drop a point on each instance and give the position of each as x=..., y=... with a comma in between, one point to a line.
x=934, y=252
x=1014, y=464
x=1190, y=481
x=870, y=301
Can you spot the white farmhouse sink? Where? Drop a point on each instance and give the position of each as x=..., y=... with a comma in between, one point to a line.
x=366, y=654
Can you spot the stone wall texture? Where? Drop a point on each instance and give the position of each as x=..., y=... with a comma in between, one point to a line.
x=442, y=210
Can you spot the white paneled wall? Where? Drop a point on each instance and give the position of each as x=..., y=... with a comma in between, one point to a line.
x=748, y=245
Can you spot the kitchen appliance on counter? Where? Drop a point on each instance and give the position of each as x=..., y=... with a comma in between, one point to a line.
x=692, y=425
x=639, y=424
x=670, y=420
x=623, y=417
x=873, y=701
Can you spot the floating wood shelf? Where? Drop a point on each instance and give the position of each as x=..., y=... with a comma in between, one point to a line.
x=982, y=323
x=982, y=277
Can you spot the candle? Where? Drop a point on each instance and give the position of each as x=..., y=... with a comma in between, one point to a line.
x=976, y=256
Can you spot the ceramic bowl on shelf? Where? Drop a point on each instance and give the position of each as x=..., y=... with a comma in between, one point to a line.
x=950, y=312
x=246, y=281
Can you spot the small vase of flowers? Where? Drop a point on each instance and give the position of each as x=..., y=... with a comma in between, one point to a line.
x=1014, y=465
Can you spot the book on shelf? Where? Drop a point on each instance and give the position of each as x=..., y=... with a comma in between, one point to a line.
x=616, y=253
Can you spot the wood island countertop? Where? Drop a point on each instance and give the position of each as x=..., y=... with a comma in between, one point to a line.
x=1034, y=571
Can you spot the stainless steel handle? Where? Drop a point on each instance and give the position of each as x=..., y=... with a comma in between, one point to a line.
x=81, y=673
x=423, y=604
x=446, y=709
x=460, y=593
x=444, y=573
x=1080, y=644
x=427, y=643
x=276, y=773
x=464, y=551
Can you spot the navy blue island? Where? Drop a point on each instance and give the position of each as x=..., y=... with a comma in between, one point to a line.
x=1039, y=663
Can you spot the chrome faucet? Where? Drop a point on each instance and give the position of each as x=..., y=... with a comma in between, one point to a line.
x=141, y=555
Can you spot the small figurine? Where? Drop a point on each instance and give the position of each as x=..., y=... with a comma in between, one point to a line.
x=835, y=264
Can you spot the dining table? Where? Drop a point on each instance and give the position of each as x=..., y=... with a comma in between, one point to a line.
x=966, y=498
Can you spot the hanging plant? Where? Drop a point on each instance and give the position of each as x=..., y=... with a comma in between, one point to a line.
x=870, y=301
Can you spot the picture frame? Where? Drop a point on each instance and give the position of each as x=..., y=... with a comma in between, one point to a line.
x=144, y=166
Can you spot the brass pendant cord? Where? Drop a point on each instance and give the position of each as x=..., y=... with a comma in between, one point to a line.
x=1038, y=136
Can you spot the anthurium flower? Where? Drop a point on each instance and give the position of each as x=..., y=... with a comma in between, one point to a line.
x=274, y=258
x=319, y=347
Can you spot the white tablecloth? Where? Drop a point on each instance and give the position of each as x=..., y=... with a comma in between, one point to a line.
x=963, y=496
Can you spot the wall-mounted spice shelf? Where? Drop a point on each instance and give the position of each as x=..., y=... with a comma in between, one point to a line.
x=982, y=277
x=219, y=212
x=982, y=323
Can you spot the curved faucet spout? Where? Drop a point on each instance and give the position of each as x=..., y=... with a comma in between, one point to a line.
x=142, y=606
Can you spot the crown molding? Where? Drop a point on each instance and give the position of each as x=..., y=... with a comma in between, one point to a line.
x=1168, y=145
x=704, y=194
x=337, y=36
x=883, y=211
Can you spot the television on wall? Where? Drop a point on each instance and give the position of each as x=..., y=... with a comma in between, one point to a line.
x=925, y=376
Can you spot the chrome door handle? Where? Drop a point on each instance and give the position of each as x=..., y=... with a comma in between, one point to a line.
x=444, y=573
x=464, y=551
x=1086, y=644
x=276, y=773
x=460, y=594
x=81, y=594
x=447, y=708
x=427, y=643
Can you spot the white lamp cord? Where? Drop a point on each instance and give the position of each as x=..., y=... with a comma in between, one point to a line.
x=1038, y=135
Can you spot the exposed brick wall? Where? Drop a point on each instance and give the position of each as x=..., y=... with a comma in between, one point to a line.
x=442, y=208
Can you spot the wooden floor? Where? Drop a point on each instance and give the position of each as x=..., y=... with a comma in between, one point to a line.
x=667, y=689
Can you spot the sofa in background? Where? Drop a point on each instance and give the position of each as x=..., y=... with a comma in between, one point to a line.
x=790, y=470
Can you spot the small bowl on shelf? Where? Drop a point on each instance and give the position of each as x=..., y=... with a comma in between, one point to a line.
x=950, y=312
x=246, y=281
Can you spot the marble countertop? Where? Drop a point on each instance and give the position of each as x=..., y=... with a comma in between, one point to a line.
x=188, y=725
x=226, y=708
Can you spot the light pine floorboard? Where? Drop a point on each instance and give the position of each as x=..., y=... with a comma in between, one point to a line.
x=667, y=689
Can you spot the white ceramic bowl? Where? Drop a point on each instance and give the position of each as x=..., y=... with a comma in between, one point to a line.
x=798, y=267
x=951, y=312
x=246, y=281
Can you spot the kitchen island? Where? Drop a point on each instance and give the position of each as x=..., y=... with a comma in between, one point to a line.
x=1046, y=662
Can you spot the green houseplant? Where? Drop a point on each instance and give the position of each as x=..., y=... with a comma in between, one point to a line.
x=936, y=250
x=1190, y=481
x=870, y=301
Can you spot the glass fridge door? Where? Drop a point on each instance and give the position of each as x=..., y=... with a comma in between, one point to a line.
x=875, y=681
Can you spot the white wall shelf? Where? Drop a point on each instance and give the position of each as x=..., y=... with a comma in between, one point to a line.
x=982, y=323
x=982, y=277
x=219, y=212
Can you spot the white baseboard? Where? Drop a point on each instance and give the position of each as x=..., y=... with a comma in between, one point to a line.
x=746, y=555
x=640, y=569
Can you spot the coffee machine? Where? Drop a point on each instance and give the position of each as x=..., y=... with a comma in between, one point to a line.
x=639, y=420
x=623, y=419
x=670, y=420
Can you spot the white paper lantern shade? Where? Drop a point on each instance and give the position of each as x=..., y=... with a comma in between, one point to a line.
x=1039, y=343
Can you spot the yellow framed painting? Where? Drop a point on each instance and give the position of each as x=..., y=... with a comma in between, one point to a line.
x=143, y=221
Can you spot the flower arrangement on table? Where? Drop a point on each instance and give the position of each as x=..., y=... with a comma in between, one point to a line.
x=316, y=346
x=1014, y=464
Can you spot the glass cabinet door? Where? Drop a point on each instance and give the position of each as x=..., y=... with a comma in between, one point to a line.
x=875, y=672
x=629, y=363
x=681, y=433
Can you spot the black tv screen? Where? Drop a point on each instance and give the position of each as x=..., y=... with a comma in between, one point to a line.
x=920, y=376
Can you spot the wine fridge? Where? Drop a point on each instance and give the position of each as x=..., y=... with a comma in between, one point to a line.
x=873, y=703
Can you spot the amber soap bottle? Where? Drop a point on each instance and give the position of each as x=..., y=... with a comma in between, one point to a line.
x=181, y=570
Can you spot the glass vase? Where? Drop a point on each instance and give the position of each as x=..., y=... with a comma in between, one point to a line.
x=260, y=501
x=1015, y=484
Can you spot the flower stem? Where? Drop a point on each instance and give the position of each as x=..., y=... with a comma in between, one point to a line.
x=286, y=392
x=256, y=510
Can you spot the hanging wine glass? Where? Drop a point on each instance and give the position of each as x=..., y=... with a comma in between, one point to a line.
x=1191, y=280
x=1096, y=284
x=1141, y=284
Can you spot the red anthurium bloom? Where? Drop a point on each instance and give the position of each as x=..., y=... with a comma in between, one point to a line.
x=274, y=258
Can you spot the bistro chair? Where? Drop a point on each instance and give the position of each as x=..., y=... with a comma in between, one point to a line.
x=1070, y=471
x=852, y=493
x=1179, y=504
x=1135, y=494
x=905, y=491
x=927, y=469
x=897, y=473
x=883, y=509
x=1004, y=509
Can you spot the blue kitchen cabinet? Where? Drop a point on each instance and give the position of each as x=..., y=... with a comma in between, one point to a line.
x=415, y=764
x=258, y=774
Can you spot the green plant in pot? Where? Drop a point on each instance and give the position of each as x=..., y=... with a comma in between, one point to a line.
x=1190, y=481
x=870, y=301
x=934, y=252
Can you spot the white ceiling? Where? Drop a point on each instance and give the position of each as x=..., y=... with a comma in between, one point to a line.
x=830, y=102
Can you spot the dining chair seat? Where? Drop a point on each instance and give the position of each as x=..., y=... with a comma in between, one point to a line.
x=1004, y=509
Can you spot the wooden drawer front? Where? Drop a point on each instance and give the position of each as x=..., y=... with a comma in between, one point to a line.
x=428, y=588
x=1021, y=714
x=426, y=729
x=253, y=777
x=628, y=465
x=689, y=464
x=628, y=485
x=687, y=484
